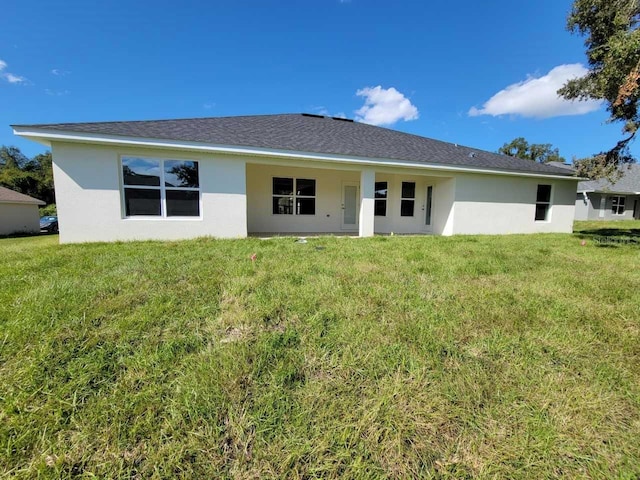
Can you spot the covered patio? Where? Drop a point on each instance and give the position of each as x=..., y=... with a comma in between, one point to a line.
x=321, y=199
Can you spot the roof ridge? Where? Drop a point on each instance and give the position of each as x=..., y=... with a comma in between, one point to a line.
x=157, y=120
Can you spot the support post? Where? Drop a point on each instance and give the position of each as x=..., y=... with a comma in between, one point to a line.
x=367, y=202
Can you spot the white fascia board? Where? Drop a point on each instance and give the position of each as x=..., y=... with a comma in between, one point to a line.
x=44, y=135
x=612, y=192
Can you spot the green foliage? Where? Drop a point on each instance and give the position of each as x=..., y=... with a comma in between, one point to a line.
x=536, y=152
x=49, y=210
x=33, y=177
x=613, y=52
x=391, y=357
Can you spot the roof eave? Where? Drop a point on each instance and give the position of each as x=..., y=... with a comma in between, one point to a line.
x=46, y=136
x=611, y=192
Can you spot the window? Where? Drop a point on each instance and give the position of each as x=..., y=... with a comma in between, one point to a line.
x=617, y=205
x=543, y=203
x=380, y=203
x=294, y=196
x=161, y=188
x=408, y=199
x=427, y=220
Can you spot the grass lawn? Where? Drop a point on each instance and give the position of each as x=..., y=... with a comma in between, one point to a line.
x=389, y=357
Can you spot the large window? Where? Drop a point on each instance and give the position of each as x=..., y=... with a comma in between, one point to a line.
x=543, y=203
x=294, y=196
x=161, y=188
x=617, y=205
x=408, y=200
x=380, y=204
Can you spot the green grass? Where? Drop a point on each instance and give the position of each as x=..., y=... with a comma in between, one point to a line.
x=390, y=357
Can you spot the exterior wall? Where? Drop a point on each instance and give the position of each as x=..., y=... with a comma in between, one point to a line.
x=492, y=204
x=442, y=204
x=583, y=206
x=595, y=210
x=19, y=218
x=236, y=198
x=328, y=217
x=88, y=196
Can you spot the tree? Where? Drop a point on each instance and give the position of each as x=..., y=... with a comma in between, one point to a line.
x=537, y=152
x=12, y=157
x=33, y=177
x=613, y=53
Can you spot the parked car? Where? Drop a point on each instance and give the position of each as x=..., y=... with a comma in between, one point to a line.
x=49, y=224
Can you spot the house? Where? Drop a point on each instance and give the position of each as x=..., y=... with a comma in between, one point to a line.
x=18, y=212
x=289, y=174
x=603, y=200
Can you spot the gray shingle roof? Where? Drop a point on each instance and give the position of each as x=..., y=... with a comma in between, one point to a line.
x=10, y=196
x=629, y=183
x=311, y=134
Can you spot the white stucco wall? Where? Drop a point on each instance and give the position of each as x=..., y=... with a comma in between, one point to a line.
x=583, y=206
x=88, y=196
x=596, y=210
x=496, y=204
x=19, y=218
x=236, y=198
x=328, y=217
x=442, y=202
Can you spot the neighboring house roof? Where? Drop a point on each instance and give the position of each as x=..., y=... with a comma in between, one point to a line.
x=566, y=166
x=11, y=196
x=629, y=182
x=310, y=134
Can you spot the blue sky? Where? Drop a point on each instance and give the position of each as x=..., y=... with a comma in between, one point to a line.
x=468, y=72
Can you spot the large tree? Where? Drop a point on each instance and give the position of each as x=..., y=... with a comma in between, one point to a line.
x=613, y=52
x=32, y=177
x=537, y=152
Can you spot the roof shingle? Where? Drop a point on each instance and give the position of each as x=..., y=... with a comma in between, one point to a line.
x=11, y=196
x=628, y=183
x=310, y=134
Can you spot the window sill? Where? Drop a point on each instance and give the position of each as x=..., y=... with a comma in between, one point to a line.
x=162, y=219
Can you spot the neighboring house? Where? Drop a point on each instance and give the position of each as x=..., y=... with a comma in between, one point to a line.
x=603, y=200
x=289, y=174
x=18, y=212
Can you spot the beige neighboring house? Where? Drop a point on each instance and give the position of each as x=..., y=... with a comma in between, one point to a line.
x=603, y=200
x=18, y=212
x=293, y=174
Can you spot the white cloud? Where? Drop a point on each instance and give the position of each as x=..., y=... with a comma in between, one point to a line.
x=59, y=72
x=10, y=77
x=56, y=93
x=538, y=97
x=325, y=112
x=384, y=106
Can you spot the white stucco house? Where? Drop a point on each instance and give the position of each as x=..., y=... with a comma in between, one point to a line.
x=289, y=174
x=18, y=212
x=605, y=200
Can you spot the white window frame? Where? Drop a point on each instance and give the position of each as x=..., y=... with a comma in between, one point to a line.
x=549, y=204
x=385, y=199
x=162, y=188
x=618, y=205
x=413, y=199
x=295, y=196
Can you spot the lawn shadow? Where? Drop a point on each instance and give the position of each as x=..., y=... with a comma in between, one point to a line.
x=610, y=237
